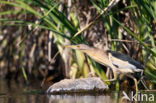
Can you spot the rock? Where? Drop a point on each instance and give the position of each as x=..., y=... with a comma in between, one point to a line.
x=93, y=84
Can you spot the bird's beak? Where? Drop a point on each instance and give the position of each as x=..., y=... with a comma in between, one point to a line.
x=70, y=46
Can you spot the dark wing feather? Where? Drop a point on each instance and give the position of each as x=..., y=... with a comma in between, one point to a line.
x=127, y=58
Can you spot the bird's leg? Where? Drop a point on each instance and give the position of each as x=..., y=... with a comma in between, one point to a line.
x=135, y=81
x=115, y=77
x=142, y=72
x=108, y=72
x=110, y=80
x=142, y=77
x=143, y=82
x=113, y=69
x=136, y=84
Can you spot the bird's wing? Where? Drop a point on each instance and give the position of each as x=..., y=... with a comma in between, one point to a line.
x=100, y=56
x=124, y=61
x=121, y=64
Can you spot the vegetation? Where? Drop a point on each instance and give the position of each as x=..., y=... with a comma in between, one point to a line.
x=33, y=34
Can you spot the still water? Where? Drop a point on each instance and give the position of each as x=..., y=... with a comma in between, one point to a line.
x=13, y=92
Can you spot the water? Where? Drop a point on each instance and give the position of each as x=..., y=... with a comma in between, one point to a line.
x=42, y=98
x=18, y=93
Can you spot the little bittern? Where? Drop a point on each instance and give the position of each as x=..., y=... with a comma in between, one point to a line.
x=119, y=63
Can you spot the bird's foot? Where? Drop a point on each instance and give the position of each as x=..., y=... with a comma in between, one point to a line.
x=110, y=80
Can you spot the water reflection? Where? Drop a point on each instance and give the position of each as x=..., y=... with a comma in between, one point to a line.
x=17, y=98
x=28, y=98
x=80, y=99
x=112, y=97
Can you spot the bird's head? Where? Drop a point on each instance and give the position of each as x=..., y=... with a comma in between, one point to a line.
x=78, y=47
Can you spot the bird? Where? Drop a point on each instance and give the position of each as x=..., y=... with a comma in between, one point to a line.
x=118, y=62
